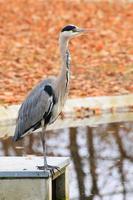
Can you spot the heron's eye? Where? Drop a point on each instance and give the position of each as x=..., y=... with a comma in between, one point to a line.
x=74, y=30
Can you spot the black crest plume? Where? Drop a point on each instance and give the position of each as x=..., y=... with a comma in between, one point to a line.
x=68, y=28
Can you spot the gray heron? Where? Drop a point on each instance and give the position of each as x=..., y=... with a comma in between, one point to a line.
x=44, y=103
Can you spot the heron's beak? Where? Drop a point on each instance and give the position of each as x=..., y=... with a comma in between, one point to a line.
x=82, y=30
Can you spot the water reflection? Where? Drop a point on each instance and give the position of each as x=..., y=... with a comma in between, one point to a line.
x=102, y=158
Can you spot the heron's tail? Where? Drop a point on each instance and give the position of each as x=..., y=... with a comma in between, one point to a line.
x=16, y=137
x=17, y=134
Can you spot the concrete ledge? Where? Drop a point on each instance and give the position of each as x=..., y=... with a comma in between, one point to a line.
x=26, y=167
x=20, y=179
x=112, y=109
x=6, y=131
x=8, y=114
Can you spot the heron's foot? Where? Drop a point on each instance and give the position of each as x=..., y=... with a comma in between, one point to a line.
x=49, y=168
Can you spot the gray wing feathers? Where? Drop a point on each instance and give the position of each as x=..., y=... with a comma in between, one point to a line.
x=37, y=103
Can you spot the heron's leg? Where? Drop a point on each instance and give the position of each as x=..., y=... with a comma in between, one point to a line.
x=43, y=140
x=46, y=166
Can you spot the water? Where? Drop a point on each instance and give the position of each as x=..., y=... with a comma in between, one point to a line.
x=102, y=158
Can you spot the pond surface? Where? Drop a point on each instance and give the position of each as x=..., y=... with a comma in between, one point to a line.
x=102, y=158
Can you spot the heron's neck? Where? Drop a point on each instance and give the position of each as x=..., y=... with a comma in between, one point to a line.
x=64, y=52
x=63, y=78
x=65, y=61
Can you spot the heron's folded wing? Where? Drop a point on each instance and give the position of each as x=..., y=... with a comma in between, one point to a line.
x=37, y=104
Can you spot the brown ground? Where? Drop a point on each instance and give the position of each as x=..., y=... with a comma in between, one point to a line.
x=102, y=62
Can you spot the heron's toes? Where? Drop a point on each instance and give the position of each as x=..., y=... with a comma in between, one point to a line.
x=49, y=168
x=40, y=167
x=53, y=168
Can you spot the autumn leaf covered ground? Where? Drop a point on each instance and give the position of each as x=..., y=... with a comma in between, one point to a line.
x=102, y=62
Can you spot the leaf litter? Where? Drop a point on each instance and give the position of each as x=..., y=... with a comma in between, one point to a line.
x=102, y=62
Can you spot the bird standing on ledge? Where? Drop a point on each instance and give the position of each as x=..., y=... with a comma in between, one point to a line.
x=45, y=102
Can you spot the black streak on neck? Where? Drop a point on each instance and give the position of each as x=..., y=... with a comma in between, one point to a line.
x=68, y=66
x=67, y=59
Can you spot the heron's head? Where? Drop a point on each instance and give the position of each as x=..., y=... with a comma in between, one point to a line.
x=71, y=31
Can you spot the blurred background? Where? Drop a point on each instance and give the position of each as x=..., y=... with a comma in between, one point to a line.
x=102, y=62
